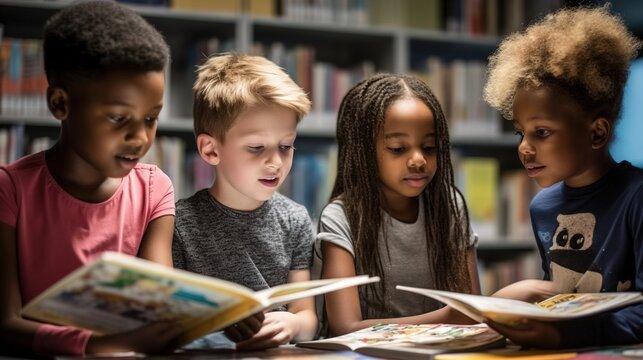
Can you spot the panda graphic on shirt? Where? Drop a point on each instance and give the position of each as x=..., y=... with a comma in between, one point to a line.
x=572, y=254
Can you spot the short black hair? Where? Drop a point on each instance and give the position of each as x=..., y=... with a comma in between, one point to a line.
x=92, y=38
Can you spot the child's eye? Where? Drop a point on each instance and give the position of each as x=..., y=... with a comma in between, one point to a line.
x=429, y=149
x=286, y=148
x=543, y=133
x=397, y=150
x=519, y=134
x=151, y=119
x=255, y=149
x=117, y=119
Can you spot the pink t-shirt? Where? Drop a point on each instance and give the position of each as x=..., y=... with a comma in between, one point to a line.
x=57, y=233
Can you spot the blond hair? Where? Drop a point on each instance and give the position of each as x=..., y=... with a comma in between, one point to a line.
x=227, y=85
x=585, y=50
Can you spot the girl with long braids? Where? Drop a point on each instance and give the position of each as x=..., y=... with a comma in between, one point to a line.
x=394, y=211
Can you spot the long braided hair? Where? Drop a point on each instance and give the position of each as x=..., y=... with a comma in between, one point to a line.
x=359, y=123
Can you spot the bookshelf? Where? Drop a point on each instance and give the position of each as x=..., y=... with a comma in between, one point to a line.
x=354, y=42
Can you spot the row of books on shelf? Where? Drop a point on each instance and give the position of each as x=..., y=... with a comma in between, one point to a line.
x=265, y=8
x=326, y=11
x=353, y=12
x=12, y=144
x=498, y=202
x=311, y=179
x=325, y=83
x=496, y=275
x=23, y=82
x=473, y=17
x=458, y=86
x=477, y=17
x=203, y=48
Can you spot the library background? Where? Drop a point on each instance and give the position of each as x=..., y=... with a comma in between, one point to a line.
x=327, y=46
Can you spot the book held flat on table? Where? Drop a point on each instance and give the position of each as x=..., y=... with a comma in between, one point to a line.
x=508, y=311
x=117, y=292
x=412, y=341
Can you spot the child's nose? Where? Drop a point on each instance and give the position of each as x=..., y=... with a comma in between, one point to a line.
x=525, y=147
x=416, y=160
x=274, y=159
x=137, y=135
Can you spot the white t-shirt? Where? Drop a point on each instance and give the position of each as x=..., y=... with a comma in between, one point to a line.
x=408, y=263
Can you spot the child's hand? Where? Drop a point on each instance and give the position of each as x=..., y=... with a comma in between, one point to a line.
x=530, y=290
x=278, y=328
x=152, y=338
x=530, y=333
x=245, y=328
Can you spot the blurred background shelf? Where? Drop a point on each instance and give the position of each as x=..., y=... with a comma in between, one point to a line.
x=497, y=251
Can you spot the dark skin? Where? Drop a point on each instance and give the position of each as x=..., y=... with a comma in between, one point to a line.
x=407, y=162
x=560, y=141
x=107, y=125
x=406, y=157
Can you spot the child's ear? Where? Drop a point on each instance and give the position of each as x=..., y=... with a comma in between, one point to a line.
x=58, y=102
x=208, y=148
x=601, y=132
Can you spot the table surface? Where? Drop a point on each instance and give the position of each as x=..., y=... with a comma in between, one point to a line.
x=282, y=352
x=291, y=352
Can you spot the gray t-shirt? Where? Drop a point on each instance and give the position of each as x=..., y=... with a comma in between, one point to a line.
x=256, y=249
x=408, y=263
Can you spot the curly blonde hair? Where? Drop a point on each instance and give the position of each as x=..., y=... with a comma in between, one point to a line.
x=585, y=50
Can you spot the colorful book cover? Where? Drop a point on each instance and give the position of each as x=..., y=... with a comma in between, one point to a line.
x=412, y=341
x=117, y=292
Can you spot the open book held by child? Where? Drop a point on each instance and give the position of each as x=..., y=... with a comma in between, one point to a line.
x=509, y=311
x=117, y=293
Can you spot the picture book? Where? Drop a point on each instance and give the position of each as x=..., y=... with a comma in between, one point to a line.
x=412, y=341
x=117, y=292
x=508, y=311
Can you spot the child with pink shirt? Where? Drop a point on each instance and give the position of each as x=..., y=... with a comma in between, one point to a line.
x=88, y=194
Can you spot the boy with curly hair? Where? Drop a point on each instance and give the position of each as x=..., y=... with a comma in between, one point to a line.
x=246, y=111
x=561, y=83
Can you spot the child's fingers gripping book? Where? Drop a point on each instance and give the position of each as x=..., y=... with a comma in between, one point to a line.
x=117, y=293
x=412, y=341
x=508, y=311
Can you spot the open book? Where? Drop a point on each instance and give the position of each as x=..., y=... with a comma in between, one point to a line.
x=412, y=341
x=117, y=292
x=508, y=311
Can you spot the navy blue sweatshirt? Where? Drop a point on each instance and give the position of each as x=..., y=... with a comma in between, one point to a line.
x=591, y=240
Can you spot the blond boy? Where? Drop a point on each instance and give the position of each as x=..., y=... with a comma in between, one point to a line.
x=246, y=111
